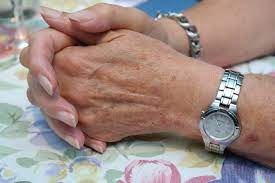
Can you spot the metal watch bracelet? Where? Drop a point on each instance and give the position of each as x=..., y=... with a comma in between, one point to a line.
x=229, y=90
x=227, y=98
x=191, y=31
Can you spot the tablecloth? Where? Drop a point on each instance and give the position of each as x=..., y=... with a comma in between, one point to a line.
x=31, y=153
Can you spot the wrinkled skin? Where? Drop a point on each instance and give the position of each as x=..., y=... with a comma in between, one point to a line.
x=83, y=26
x=120, y=87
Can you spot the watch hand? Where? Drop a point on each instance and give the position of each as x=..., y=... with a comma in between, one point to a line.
x=218, y=123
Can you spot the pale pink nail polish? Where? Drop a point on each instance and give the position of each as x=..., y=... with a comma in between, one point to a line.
x=81, y=16
x=72, y=141
x=98, y=148
x=50, y=13
x=67, y=118
x=46, y=84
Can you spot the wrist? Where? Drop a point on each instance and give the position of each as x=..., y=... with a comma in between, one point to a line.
x=194, y=91
x=175, y=36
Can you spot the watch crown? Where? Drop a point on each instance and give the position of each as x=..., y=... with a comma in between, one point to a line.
x=202, y=112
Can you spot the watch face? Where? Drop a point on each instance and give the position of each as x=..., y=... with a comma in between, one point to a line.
x=219, y=126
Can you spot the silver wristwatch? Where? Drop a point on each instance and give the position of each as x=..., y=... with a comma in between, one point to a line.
x=219, y=124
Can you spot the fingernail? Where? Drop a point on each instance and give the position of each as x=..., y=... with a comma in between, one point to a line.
x=67, y=118
x=98, y=148
x=46, y=84
x=81, y=16
x=48, y=12
x=72, y=141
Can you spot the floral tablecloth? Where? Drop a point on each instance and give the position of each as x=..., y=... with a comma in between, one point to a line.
x=31, y=153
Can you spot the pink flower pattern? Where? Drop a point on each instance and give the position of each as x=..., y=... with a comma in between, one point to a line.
x=201, y=179
x=151, y=171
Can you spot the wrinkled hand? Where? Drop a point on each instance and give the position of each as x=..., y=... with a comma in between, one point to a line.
x=125, y=85
x=55, y=106
x=82, y=26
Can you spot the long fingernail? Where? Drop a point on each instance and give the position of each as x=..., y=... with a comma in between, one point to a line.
x=50, y=13
x=98, y=148
x=72, y=141
x=67, y=118
x=81, y=16
x=46, y=84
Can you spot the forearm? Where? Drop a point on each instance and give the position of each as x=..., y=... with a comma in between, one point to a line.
x=257, y=117
x=256, y=110
x=231, y=31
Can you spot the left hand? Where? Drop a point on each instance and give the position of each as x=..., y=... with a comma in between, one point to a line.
x=120, y=87
x=128, y=84
x=44, y=44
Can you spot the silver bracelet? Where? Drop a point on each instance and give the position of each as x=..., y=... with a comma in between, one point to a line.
x=191, y=31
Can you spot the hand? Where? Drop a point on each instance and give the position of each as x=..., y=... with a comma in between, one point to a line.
x=54, y=106
x=119, y=87
x=43, y=45
x=129, y=84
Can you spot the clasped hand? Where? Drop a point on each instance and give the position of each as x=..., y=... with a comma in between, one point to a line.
x=96, y=85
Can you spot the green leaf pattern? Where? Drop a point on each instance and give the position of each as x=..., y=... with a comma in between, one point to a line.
x=140, y=149
x=6, y=151
x=26, y=162
x=112, y=175
x=45, y=155
x=9, y=113
x=11, y=125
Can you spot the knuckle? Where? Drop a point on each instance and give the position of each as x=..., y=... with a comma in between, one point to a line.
x=105, y=9
x=64, y=58
x=37, y=36
x=87, y=116
x=30, y=97
x=75, y=61
x=68, y=51
x=64, y=14
x=74, y=91
x=41, y=35
x=102, y=5
x=33, y=36
x=29, y=79
x=23, y=56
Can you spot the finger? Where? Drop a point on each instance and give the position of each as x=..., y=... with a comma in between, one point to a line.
x=99, y=18
x=24, y=58
x=73, y=136
x=97, y=145
x=103, y=17
x=38, y=56
x=61, y=22
x=56, y=107
x=30, y=97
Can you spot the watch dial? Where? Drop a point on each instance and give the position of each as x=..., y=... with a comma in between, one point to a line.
x=219, y=125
